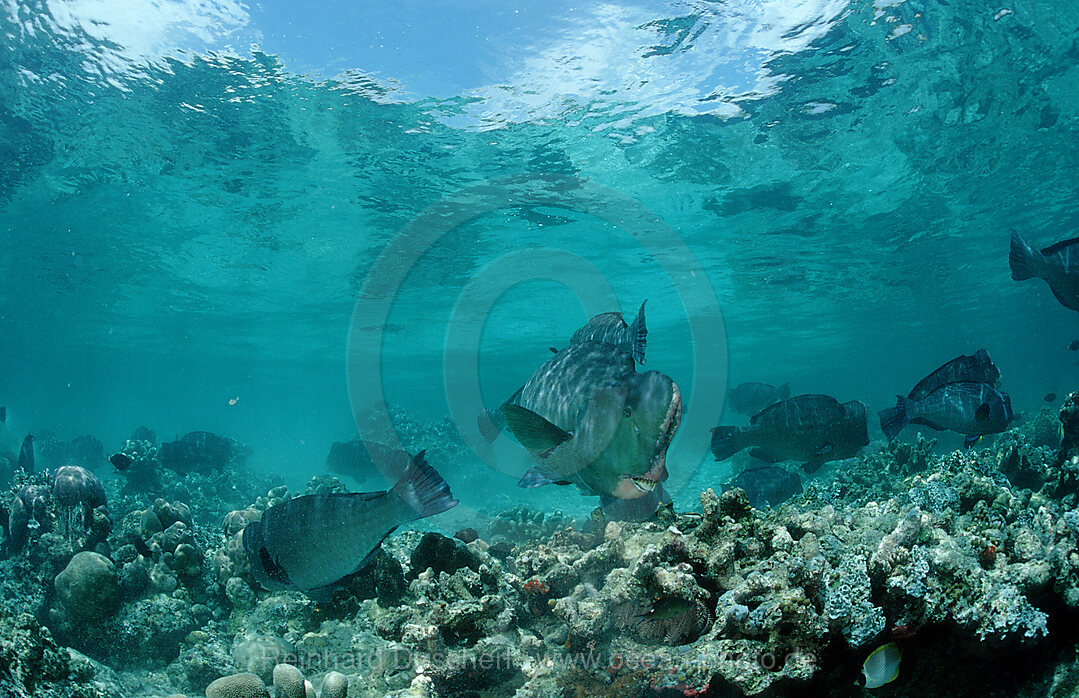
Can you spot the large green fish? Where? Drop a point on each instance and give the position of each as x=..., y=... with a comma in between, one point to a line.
x=588, y=418
x=312, y=543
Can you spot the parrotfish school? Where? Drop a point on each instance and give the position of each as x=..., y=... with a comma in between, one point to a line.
x=616, y=349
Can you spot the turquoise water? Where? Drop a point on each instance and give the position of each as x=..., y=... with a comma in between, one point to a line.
x=184, y=230
x=201, y=238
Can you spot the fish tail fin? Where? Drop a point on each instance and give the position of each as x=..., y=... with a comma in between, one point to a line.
x=893, y=419
x=726, y=441
x=1021, y=259
x=639, y=332
x=423, y=489
x=784, y=391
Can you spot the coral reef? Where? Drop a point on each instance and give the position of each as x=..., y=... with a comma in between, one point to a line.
x=32, y=665
x=89, y=587
x=973, y=553
x=521, y=525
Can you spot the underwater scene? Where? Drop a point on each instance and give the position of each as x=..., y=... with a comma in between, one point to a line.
x=627, y=349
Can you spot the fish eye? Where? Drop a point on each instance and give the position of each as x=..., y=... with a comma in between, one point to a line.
x=627, y=412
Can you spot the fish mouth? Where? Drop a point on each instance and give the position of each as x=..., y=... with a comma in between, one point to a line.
x=657, y=469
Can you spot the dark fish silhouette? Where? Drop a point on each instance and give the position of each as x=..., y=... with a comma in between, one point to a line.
x=809, y=428
x=766, y=486
x=1057, y=265
x=610, y=328
x=198, y=451
x=366, y=459
x=3, y=414
x=1074, y=346
x=26, y=454
x=972, y=409
x=751, y=398
x=122, y=461
x=1050, y=397
x=977, y=368
x=312, y=543
x=588, y=418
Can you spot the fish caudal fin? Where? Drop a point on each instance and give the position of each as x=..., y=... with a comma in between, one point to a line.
x=726, y=441
x=639, y=332
x=1021, y=259
x=423, y=489
x=536, y=477
x=893, y=419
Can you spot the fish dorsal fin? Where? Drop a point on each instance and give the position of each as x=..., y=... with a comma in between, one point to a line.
x=1057, y=247
x=533, y=431
x=982, y=415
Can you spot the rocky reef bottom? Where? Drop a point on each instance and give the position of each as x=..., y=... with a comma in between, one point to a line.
x=968, y=562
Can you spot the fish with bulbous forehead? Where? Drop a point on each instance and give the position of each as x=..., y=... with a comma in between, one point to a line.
x=809, y=428
x=314, y=542
x=590, y=419
x=972, y=409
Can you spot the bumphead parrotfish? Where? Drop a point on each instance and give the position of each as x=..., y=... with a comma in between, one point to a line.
x=972, y=409
x=810, y=428
x=588, y=418
x=313, y=542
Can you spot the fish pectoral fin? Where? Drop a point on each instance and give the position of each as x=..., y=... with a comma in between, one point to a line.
x=971, y=440
x=982, y=415
x=533, y=431
x=273, y=569
x=536, y=477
